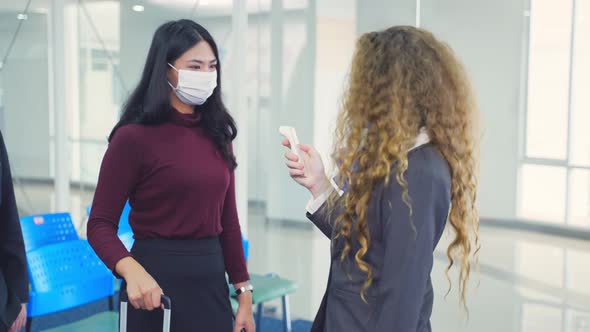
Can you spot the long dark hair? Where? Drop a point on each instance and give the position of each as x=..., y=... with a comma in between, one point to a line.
x=149, y=103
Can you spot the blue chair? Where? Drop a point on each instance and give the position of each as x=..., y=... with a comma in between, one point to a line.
x=127, y=239
x=124, y=226
x=246, y=245
x=268, y=288
x=66, y=275
x=43, y=229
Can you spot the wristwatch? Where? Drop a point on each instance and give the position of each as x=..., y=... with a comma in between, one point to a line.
x=244, y=289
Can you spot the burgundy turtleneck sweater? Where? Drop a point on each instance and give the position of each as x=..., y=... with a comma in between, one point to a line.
x=178, y=185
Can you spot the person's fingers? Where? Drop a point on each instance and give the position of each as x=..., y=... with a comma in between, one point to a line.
x=136, y=301
x=291, y=156
x=294, y=165
x=139, y=305
x=19, y=322
x=157, y=298
x=285, y=142
x=23, y=321
x=296, y=172
x=308, y=151
x=249, y=326
x=147, y=301
x=239, y=325
x=307, y=148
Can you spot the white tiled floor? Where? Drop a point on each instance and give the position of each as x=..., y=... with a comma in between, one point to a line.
x=527, y=282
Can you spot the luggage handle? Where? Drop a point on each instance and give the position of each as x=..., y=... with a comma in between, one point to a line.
x=123, y=311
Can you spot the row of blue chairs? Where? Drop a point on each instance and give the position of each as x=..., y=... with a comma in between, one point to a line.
x=66, y=273
x=64, y=270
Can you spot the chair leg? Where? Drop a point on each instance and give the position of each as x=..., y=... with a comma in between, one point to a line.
x=286, y=314
x=259, y=317
x=29, y=324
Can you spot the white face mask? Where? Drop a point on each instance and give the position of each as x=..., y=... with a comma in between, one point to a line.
x=194, y=87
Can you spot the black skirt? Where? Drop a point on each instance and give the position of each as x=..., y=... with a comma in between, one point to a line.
x=192, y=274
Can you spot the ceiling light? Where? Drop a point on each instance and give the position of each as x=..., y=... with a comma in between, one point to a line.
x=138, y=8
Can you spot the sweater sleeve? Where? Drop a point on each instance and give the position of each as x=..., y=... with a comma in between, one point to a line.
x=119, y=174
x=13, y=262
x=231, y=237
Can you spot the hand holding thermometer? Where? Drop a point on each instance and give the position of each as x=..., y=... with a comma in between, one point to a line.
x=291, y=135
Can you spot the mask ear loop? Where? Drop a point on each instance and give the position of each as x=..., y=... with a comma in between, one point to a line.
x=172, y=67
x=172, y=86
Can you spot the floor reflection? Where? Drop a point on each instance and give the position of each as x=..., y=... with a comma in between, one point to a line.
x=526, y=282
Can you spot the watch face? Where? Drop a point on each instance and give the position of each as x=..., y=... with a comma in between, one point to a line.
x=244, y=289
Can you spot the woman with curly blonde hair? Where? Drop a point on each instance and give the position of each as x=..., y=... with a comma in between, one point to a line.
x=407, y=163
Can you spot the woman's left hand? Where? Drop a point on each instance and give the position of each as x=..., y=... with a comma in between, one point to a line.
x=21, y=320
x=245, y=317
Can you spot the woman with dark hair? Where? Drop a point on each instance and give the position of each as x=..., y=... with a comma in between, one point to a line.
x=171, y=156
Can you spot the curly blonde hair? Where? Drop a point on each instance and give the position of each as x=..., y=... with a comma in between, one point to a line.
x=403, y=79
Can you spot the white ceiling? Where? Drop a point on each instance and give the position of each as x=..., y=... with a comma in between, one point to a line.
x=204, y=7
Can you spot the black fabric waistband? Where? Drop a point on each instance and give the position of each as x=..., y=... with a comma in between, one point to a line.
x=192, y=247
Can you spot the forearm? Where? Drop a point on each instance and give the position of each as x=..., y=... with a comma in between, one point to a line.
x=102, y=236
x=244, y=299
x=127, y=266
x=320, y=188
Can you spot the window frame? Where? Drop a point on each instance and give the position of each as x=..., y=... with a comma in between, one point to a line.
x=523, y=158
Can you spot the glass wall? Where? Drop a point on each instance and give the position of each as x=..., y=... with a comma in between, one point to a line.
x=298, y=53
x=297, y=56
x=24, y=103
x=555, y=167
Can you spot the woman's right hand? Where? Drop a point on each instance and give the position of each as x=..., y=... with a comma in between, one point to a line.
x=142, y=290
x=310, y=171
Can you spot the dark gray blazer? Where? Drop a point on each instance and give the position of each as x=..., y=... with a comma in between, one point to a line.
x=14, y=282
x=400, y=252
